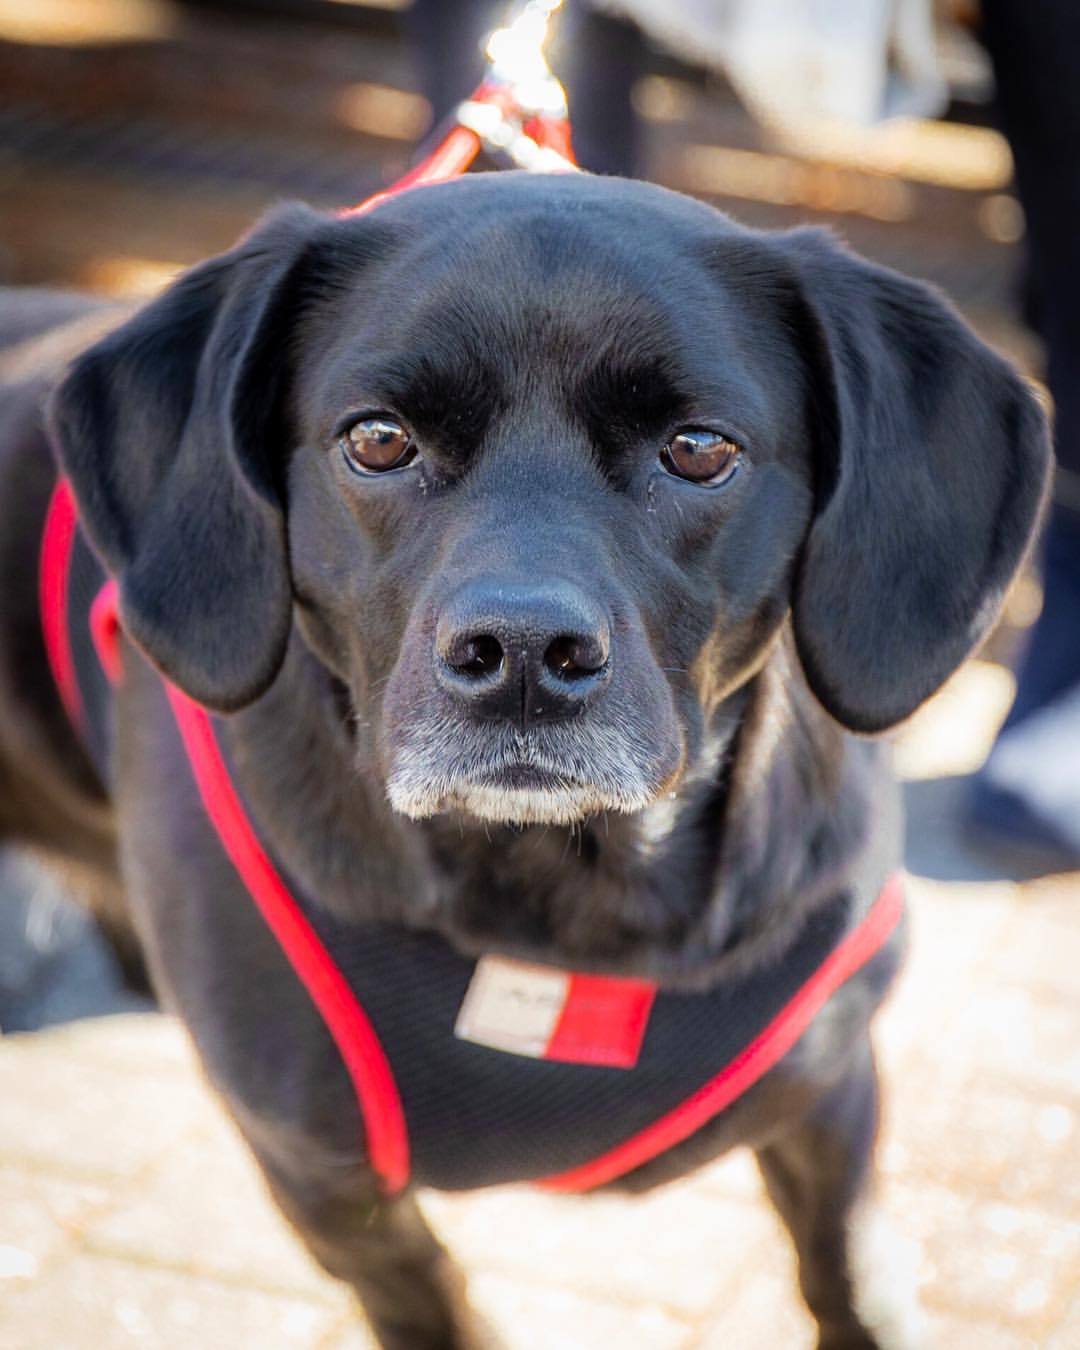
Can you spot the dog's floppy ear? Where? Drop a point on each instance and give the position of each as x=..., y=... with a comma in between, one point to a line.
x=166, y=429
x=932, y=464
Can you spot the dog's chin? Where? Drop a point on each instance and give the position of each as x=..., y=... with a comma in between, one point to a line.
x=561, y=774
x=515, y=802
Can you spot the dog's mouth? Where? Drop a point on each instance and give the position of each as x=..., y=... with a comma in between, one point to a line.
x=516, y=781
x=527, y=777
x=617, y=755
x=519, y=794
x=528, y=794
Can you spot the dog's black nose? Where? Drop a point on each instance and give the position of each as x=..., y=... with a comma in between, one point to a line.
x=523, y=651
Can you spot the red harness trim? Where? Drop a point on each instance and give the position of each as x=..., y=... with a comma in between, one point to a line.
x=768, y=1047
x=380, y=1103
x=348, y=1024
x=105, y=630
x=365, y=1060
x=364, y=1057
x=357, y=1043
x=54, y=568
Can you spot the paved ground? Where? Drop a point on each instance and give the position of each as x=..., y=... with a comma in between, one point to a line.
x=131, y=1216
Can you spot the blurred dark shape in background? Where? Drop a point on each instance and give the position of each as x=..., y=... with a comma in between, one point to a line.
x=1028, y=792
x=136, y=136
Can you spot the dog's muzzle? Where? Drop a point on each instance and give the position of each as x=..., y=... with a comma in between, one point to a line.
x=526, y=701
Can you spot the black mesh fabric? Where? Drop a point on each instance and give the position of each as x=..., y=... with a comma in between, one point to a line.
x=478, y=1116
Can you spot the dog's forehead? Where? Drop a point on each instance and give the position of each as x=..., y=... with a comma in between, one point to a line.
x=503, y=283
x=476, y=199
x=525, y=257
x=534, y=285
x=552, y=233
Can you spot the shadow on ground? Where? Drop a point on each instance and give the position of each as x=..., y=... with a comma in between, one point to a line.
x=55, y=966
x=945, y=845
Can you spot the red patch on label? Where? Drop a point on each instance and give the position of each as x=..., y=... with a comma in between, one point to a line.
x=603, y=1021
x=546, y=1013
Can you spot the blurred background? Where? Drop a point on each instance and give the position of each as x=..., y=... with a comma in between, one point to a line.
x=138, y=136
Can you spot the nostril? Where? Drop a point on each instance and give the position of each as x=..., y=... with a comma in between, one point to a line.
x=476, y=657
x=574, y=657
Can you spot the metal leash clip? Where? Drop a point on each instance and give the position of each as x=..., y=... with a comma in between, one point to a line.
x=520, y=109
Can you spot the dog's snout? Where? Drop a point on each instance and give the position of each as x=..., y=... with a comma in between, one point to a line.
x=521, y=650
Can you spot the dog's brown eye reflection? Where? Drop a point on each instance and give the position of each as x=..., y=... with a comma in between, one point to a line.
x=376, y=444
x=701, y=456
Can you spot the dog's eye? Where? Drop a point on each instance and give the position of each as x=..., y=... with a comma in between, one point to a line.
x=701, y=456
x=377, y=444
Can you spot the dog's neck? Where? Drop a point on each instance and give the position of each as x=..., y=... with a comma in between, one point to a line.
x=701, y=881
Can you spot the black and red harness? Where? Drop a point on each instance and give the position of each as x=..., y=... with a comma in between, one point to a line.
x=619, y=1071
x=470, y=1073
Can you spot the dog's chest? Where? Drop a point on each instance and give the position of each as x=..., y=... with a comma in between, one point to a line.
x=472, y=1074
x=477, y=1053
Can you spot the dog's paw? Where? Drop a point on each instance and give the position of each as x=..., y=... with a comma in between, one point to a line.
x=482, y=1335
x=885, y=1269
x=473, y=1330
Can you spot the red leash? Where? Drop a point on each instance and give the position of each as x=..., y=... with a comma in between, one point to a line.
x=518, y=111
x=459, y=148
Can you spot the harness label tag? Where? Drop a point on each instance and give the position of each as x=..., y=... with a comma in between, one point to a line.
x=546, y=1013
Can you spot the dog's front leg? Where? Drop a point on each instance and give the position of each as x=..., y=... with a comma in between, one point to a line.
x=411, y=1290
x=858, y=1281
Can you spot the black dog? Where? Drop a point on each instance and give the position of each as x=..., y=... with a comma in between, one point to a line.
x=545, y=538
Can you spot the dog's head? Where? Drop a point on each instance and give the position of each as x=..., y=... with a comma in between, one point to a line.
x=540, y=466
